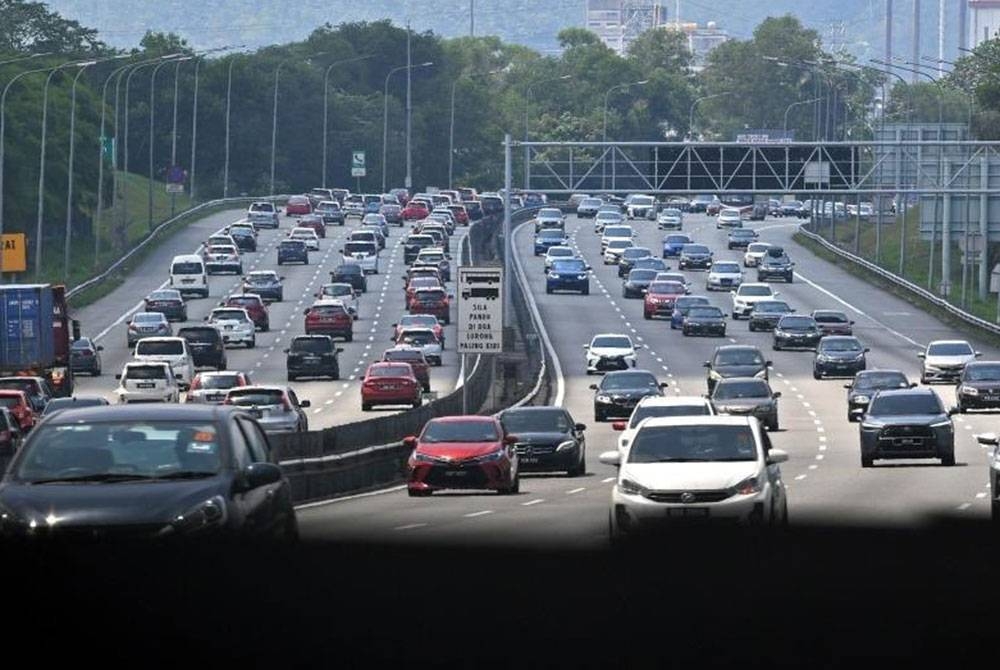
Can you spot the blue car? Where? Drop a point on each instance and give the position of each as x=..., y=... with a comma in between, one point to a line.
x=673, y=243
x=681, y=307
x=293, y=251
x=550, y=237
x=572, y=274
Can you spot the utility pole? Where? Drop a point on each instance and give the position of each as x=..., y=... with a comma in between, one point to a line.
x=409, y=111
x=888, y=31
x=941, y=37
x=916, y=37
x=472, y=18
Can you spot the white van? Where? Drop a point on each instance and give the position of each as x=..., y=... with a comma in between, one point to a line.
x=188, y=275
x=172, y=350
x=361, y=253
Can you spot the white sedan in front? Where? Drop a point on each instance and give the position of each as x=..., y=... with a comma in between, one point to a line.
x=307, y=235
x=610, y=351
x=724, y=275
x=755, y=253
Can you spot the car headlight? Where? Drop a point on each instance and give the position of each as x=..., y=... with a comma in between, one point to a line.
x=762, y=374
x=862, y=399
x=942, y=424
x=601, y=398
x=870, y=426
x=583, y=276
x=491, y=457
x=211, y=513
x=631, y=488
x=748, y=486
x=712, y=374
x=566, y=446
x=553, y=275
x=822, y=358
x=969, y=390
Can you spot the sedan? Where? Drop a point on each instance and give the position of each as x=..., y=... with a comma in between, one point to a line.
x=423, y=338
x=637, y=283
x=944, y=360
x=548, y=439
x=331, y=212
x=293, y=251
x=390, y=384
x=681, y=307
x=724, y=276
x=147, y=324
x=568, y=275
x=619, y=392
x=343, y=292
x=167, y=302
x=610, y=351
x=629, y=258
x=704, y=320
x=557, y=253
x=741, y=238
x=670, y=219
x=747, y=396
x=839, y=355
x=298, y=205
x=462, y=452
x=729, y=218
x=767, y=313
x=833, y=322
x=265, y=283
x=85, y=356
x=794, y=331
x=866, y=383
x=978, y=387
x=277, y=408
x=695, y=257
x=350, y=273
x=660, y=298
x=907, y=423
x=550, y=237
x=614, y=250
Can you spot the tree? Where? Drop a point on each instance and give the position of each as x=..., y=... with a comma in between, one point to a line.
x=27, y=26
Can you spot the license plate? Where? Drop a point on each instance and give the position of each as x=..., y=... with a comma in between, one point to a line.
x=687, y=511
x=528, y=460
x=389, y=387
x=907, y=442
x=456, y=473
x=229, y=327
x=145, y=385
x=214, y=397
x=187, y=281
x=991, y=398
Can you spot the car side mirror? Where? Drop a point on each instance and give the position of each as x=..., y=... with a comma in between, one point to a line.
x=586, y=346
x=953, y=410
x=306, y=310
x=978, y=354
x=637, y=346
x=593, y=387
x=921, y=355
x=988, y=439
x=618, y=425
x=118, y=376
x=768, y=364
x=510, y=439
x=580, y=427
x=847, y=386
x=256, y=475
x=776, y=395
x=867, y=350
x=776, y=456
x=285, y=350
x=913, y=385
x=100, y=347
x=850, y=323
x=410, y=442
x=610, y=458
x=304, y=403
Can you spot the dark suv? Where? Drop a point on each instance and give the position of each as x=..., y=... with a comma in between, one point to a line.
x=907, y=423
x=736, y=360
x=312, y=356
x=350, y=273
x=775, y=264
x=206, y=345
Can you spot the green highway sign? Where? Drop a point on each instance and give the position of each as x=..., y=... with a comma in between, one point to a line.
x=357, y=163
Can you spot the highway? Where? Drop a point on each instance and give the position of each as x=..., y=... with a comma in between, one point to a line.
x=332, y=402
x=826, y=483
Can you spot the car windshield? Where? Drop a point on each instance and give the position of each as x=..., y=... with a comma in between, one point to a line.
x=159, y=348
x=327, y=310
x=575, y=265
x=199, y=334
x=338, y=290
x=830, y=317
x=132, y=450
x=643, y=200
x=982, y=372
x=949, y=349
x=11, y=401
x=880, y=380
x=641, y=275
x=742, y=232
x=618, y=231
x=688, y=301
x=409, y=355
x=145, y=372
x=218, y=381
x=559, y=251
x=772, y=307
x=726, y=268
x=292, y=244
x=671, y=212
x=666, y=287
x=418, y=320
x=636, y=252
x=57, y=404
x=247, y=397
x=312, y=345
x=242, y=301
x=590, y=202
x=644, y=412
x=609, y=216
x=695, y=249
x=551, y=234
x=754, y=290
x=705, y=312
x=418, y=338
x=739, y=357
x=680, y=444
x=827, y=344
x=459, y=431
x=187, y=268
x=535, y=421
x=678, y=239
x=82, y=345
x=229, y=315
x=148, y=318
x=164, y=295
x=650, y=263
x=351, y=269
x=797, y=322
x=731, y=390
x=629, y=380
x=757, y=247
x=359, y=248
x=906, y=403
x=619, y=244
x=611, y=342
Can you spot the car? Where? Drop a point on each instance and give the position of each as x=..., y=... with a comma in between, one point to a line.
x=796, y=331
x=315, y=223
x=354, y=205
x=640, y=207
x=681, y=306
x=607, y=218
x=331, y=212
x=694, y=257
x=363, y=254
x=637, y=283
x=737, y=478
x=775, y=264
x=568, y=275
x=758, y=212
x=729, y=218
x=173, y=350
x=549, y=217
x=839, y=355
x=704, y=320
x=414, y=356
x=265, y=283
x=167, y=302
x=907, y=423
x=419, y=321
x=746, y=297
x=293, y=251
x=614, y=249
x=610, y=351
x=147, y=381
x=392, y=213
x=318, y=195
x=415, y=210
x=221, y=238
x=741, y=238
x=978, y=387
x=413, y=244
x=207, y=346
x=244, y=236
x=670, y=218
x=747, y=396
x=660, y=298
x=754, y=253
x=390, y=384
x=255, y=307
x=85, y=356
x=146, y=324
x=421, y=281
x=421, y=271
x=18, y=405
x=350, y=273
x=650, y=263
x=343, y=292
x=220, y=258
x=276, y=408
x=435, y=301
x=548, y=439
x=188, y=275
x=211, y=387
x=587, y=208
x=37, y=389
x=423, y=338
x=462, y=452
x=866, y=383
x=329, y=317
x=11, y=436
x=235, y=325
x=306, y=235
x=767, y=313
x=148, y=473
x=436, y=258
x=674, y=243
x=619, y=392
x=700, y=203
x=298, y=205
x=628, y=258
x=944, y=360
x=736, y=360
x=659, y=407
x=723, y=275
x=616, y=232
x=312, y=356
x=377, y=222
x=59, y=404
x=557, y=253
x=549, y=237
x=263, y=214
x=372, y=203
x=833, y=322
x=794, y=208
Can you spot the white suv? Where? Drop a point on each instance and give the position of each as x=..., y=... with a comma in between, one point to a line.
x=640, y=206
x=235, y=325
x=658, y=407
x=307, y=235
x=171, y=350
x=147, y=381
x=755, y=253
x=746, y=297
x=616, y=232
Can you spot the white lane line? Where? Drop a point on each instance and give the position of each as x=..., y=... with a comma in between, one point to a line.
x=321, y=503
x=800, y=478
x=410, y=526
x=475, y=514
x=576, y=490
x=533, y=502
x=964, y=506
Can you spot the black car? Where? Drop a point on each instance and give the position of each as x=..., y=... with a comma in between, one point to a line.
x=775, y=265
x=147, y=472
x=747, y=396
x=312, y=356
x=866, y=383
x=704, y=320
x=767, y=313
x=695, y=257
x=626, y=263
x=350, y=273
x=475, y=209
x=682, y=304
x=293, y=251
x=637, y=283
x=10, y=433
x=331, y=213
x=168, y=302
x=651, y=263
x=413, y=244
x=208, y=349
x=85, y=356
x=244, y=238
x=547, y=439
x=265, y=283
x=620, y=391
x=740, y=238
x=907, y=423
x=393, y=213
x=794, y=331
x=736, y=360
x=839, y=355
x=759, y=212
x=978, y=387
x=833, y=322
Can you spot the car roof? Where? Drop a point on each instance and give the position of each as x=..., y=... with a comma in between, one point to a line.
x=700, y=420
x=737, y=347
x=949, y=342
x=187, y=258
x=145, y=412
x=163, y=338
x=910, y=391
x=672, y=401
x=475, y=418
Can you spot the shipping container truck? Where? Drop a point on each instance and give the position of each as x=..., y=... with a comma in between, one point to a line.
x=37, y=334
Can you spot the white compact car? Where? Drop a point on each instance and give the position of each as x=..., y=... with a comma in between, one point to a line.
x=755, y=253
x=729, y=218
x=640, y=207
x=223, y=258
x=557, y=253
x=746, y=297
x=670, y=219
x=614, y=249
x=944, y=360
x=655, y=407
x=604, y=219
x=147, y=381
x=172, y=350
x=610, y=351
x=307, y=235
x=724, y=275
x=420, y=337
x=364, y=254
x=702, y=469
x=235, y=325
x=616, y=232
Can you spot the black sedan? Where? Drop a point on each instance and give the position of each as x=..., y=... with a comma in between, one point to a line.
x=244, y=237
x=619, y=392
x=265, y=283
x=747, y=396
x=629, y=257
x=767, y=313
x=350, y=273
x=312, y=356
x=704, y=320
x=866, y=383
x=85, y=356
x=637, y=283
x=794, y=331
x=978, y=386
x=147, y=472
x=907, y=423
x=695, y=257
x=548, y=439
x=168, y=302
x=839, y=355
x=292, y=251
x=651, y=263
x=833, y=322
x=736, y=360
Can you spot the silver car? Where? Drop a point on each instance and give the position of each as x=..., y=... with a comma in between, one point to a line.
x=670, y=219
x=944, y=360
x=276, y=408
x=212, y=387
x=423, y=339
x=147, y=324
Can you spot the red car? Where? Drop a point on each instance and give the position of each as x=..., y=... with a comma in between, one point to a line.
x=460, y=213
x=660, y=298
x=255, y=307
x=390, y=384
x=315, y=222
x=462, y=452
x=419, y=321
x=421, y=282
x=329, y=317
x=415, y=210
x=413, y=356
x=421, y=271
x=298, y=205
x=20, y=407
x=431, y=301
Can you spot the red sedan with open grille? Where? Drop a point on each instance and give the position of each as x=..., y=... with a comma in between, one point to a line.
x=660, y=298
x=462, y=452
x=390, y=384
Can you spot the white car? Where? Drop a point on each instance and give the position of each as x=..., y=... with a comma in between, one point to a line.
x=670, y=219
x=658, y=407
x=235, y=325
x=755, y=253
x=703, y=468
x=616, y=232
x=423, y=338
x=223, y=258
x=729, y=218
x=610, y=351
x=604, y=219
x=746, y=297
x=307, y=235
x=944, y=360
x=724, y=275
x=263, y=215
x=557, y=253
x=614, y=249
x=147, y=381
x=640, y=206
x=172, y=350
x=364, y=254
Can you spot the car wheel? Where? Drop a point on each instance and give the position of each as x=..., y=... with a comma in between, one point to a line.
x=548, y=290
x=647, y=315
x=365, y=407
x=948, y=460
x=752, y=327
x=586, y=291
x=867, y=461
x=599, y=416
x=266, y=327
x=349, y=337
x=413, y=493
x=776, y=346
x=817, y=374
x=291, y=377
x=579, y=469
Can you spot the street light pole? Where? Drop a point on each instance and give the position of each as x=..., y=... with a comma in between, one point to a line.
x=326, y=103
x=385, y=120
x=784, y=126
x=152, y=142
x=695, y=104
x=604, y=132
x=527, y=104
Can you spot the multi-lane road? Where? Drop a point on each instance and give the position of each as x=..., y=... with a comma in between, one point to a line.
x=825, y=480
x=332, y=402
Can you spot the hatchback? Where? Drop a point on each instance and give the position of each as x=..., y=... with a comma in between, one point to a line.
x=277, y=408
x=462, y=452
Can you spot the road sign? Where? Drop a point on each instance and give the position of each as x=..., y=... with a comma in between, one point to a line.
x=175, y=188
x=358, y=164
x=176, y=175
x=15, y=256
x=480, y=310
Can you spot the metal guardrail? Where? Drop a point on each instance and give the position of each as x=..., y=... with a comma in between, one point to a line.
x=896, y=280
